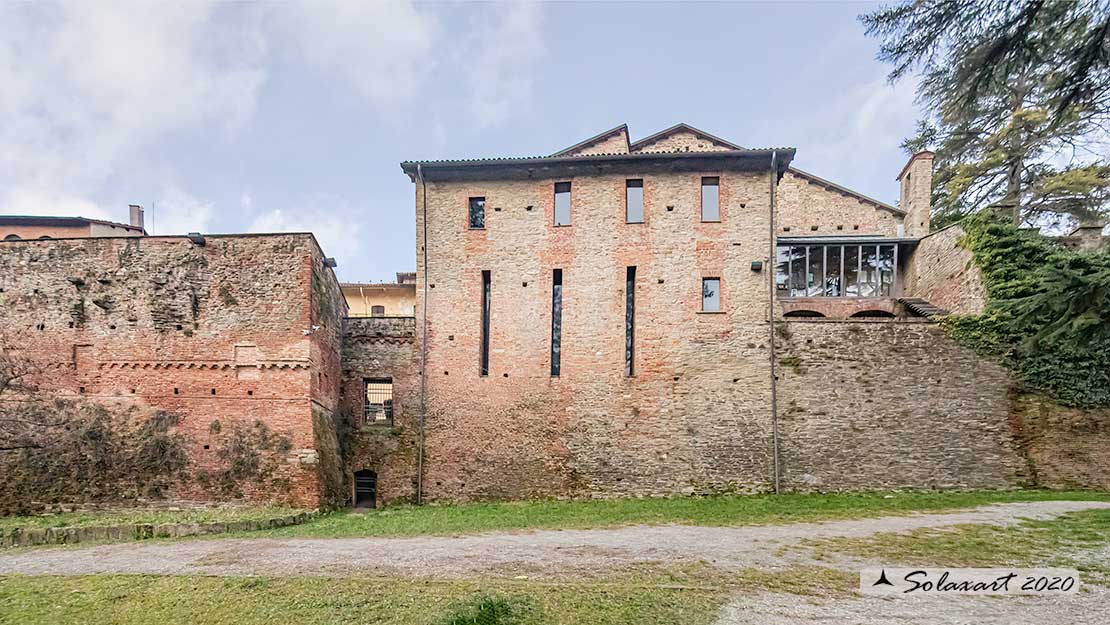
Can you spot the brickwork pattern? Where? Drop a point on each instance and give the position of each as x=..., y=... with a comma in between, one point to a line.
x=221, y=332
x=803, y=204
x=681, y=141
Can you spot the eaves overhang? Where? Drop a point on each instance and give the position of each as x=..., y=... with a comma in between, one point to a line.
x=539, y=167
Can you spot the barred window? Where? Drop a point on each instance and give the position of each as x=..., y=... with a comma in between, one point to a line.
x=378, y=407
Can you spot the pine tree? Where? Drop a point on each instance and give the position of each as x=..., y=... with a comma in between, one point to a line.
x=1017, y=95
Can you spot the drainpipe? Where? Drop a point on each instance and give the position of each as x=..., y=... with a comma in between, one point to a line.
x=423, y=344
x=773, y=256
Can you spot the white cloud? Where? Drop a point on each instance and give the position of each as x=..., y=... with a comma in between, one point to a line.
x=499, y=61
x=87, y=85
x=177, y=212
x=383, y=50
x=855, y=135
x=327, y=217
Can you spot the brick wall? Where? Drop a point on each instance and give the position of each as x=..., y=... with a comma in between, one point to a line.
x=944, y=273
x=803, y=204
x=681, y=141
x=214, y=333
x=383, y=347
x=693, y=418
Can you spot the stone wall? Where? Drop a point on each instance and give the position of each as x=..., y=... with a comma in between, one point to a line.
x=220, y=333
x=944, y=273
x=806, y=208
x=1066, y=447
x=870, y=405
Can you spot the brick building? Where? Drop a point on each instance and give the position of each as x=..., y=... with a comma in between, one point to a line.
x=17, y=227
x=224, y=332
x=672, y=315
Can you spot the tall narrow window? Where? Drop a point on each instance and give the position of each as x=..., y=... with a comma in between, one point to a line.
x=629, y=320
x=634, y=201
x=477, y=213
x=710, y=199
x=483, y=360
x=562, y=203
x=556, y=321
x=711, y=295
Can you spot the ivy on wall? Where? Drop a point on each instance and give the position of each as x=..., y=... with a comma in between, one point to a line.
x=1047, y=315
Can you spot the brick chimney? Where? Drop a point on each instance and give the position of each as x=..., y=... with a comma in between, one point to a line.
x=136, y=215
x=915, y=197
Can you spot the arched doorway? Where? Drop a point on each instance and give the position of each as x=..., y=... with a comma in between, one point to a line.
x=366, y=489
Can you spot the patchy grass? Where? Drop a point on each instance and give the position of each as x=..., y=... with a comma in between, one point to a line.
x=139, y=600
x=710, y=511
x=1067, y=540
x=154, y=517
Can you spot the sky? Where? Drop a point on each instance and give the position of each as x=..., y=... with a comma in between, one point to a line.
x=295, y=116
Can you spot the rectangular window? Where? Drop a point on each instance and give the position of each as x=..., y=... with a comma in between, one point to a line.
x=629, y=320
x=816, y=274
x=886, y=270
x=556, y=322
x=562, y=203
x=378, y=405
x=634, y=201
x=798, y=271
x=483, y=359
x=782, y=271
x=711, y=295
x=710, y=199
x=869, y=275
x=833, y=271
x=477, y=213
x=851, y=270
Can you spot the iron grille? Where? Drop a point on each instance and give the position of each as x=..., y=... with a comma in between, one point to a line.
x=379, y=402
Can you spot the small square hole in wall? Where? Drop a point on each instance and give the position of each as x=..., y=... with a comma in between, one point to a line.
x=132, y=391
x=528, y=208
x=178, y=326
x=813, y=227
x=855, y=227
x=497, y=209
x=505, y=375
x=206, y=446
x=213, y=391
x=175, y=391
x=786, y=229
x=523, y=284
x=670, y=208
x=840, y=227
x=112, y=327
x=250, y=392
x=660, y=280
x=81, y=390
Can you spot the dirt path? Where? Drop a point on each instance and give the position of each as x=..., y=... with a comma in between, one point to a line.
x=534, y=553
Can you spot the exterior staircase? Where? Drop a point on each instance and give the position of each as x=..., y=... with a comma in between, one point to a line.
x=922, y=308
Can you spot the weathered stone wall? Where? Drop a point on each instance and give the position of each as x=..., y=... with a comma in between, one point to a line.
x=383, y=347
x=804, y=207
x=1066, y=447
x=693, y=418
x=215, y=334
x=945, y=274
x=681, y=141
x=889, y=405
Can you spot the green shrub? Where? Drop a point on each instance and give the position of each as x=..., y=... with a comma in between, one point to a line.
x=490, y=610
x=1047, y=315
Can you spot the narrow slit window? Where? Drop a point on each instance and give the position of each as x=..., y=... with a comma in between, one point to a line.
x=629, y=320
x=710, y=199
x=562, y=203
x=477, y=213
x=483, y=358
x=378, y=407
x=634, y=201
x=711, y=295
x=556, y=321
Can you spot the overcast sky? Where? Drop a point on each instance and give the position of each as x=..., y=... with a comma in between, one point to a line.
x=248, y=117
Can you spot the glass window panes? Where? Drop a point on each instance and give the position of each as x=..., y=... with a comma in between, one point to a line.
x=710, y=199
x=851, y=270
x=562, y=203
x=634, y=201
x=711, y=294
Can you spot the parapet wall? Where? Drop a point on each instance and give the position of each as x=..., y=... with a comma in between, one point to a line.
x=945, y=274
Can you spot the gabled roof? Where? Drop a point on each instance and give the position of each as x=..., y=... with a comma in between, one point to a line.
x=623, y=128
x=846, y=191
x=683, y=128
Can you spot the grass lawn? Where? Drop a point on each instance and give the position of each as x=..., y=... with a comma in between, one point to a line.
x=154, y=517
x=1066, y=541
x=715, y=511
x=142, y=600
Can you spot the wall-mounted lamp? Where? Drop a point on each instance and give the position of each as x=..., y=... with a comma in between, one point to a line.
x=757, y=265
x=196, y=238
x=330, y=262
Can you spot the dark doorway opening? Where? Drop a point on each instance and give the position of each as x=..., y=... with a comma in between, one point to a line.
x=366, y=489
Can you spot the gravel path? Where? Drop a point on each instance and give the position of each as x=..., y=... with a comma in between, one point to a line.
x=535, y=553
